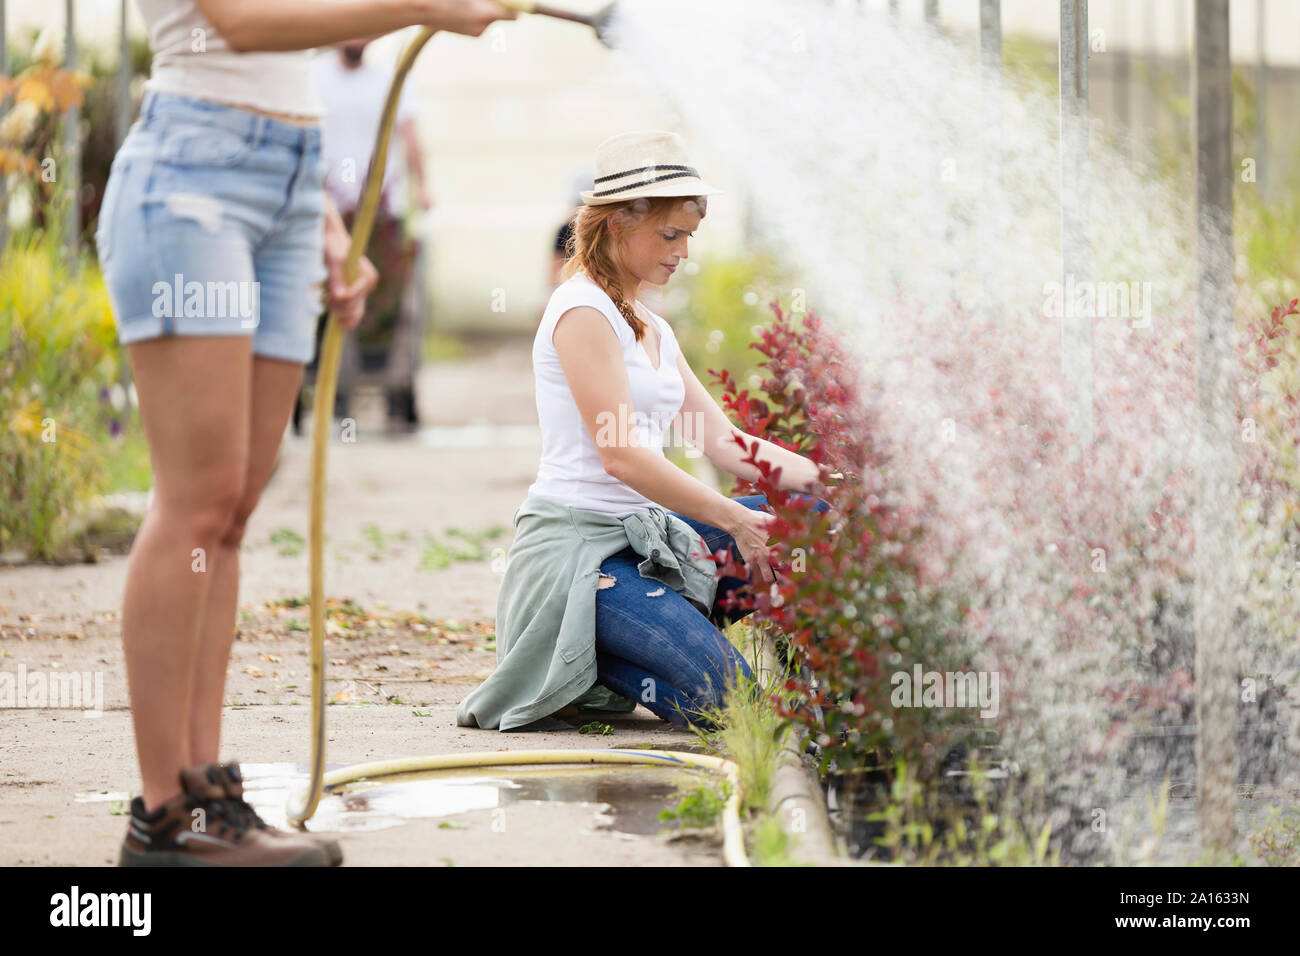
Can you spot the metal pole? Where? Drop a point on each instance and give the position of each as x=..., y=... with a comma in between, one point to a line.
x=1215, y=524
x=1261, y=104
x=123, y=79
x=1182, y=65
x=1121, y=41
x=1076, y=330
x=4, y=108
x=991, y=41
x=1150, y=34
x=71, y=171
x=932, y=12
x=990, y=215
x=123, y=126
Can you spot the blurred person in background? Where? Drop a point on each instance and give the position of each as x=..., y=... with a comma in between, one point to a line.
x=564, y=235
x=387, y=343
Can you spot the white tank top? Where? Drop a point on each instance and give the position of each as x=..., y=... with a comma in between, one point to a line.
x=570, y=470
x=192, y=59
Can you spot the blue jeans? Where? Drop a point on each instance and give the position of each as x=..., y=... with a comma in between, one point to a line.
x=213, y=224
x=655, y=647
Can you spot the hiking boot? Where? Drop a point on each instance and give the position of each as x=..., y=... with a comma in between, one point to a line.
x=221, y=835
x=232, y=780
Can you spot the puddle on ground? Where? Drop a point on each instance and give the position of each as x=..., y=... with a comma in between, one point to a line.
x=624, y=798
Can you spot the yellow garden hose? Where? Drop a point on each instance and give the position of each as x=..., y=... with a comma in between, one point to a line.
x=327, y=373
x=301, y=808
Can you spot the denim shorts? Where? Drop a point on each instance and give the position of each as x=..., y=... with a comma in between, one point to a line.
x=213, y=224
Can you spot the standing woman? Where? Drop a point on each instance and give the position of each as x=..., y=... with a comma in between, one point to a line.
x=216, y=241
x=610, y=592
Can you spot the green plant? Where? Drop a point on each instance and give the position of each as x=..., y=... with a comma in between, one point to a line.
x=1269, y=248
x=770, y=845
x=377, y=540
x=700, y=807
x=1270, y=421
x=747, y=727
x=127, y=457
x=99, y=113
x=721, y=306
x=1277, y=839
x=474, y=543
x=31, y=131
x=465, y=546
x=58, y=359
x=1030, y=63
x=441, y=346
x=288, y=543
x=434, y=555
x=35, y=62
x=921, y=826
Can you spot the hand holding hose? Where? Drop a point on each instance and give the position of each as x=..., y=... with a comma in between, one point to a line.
x=347, y=300
x=468, y=17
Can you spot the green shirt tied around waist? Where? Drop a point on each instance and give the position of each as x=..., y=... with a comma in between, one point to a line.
x=546, y=608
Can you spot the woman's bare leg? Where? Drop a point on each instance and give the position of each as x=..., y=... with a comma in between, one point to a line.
x=194, y=403
x=275, y=389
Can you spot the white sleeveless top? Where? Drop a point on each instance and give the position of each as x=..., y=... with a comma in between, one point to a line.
x=192, y=59
x=570, y=471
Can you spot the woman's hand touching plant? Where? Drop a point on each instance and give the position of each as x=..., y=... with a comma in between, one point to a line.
x=750, y=530
x=467, y=17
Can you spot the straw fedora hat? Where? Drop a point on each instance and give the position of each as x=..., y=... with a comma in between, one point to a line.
x=645, y=162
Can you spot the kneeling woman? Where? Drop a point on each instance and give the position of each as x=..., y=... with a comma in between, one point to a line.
x=610, y=591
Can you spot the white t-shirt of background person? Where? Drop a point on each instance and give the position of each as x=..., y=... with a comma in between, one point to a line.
x=354, y=102
x=570, y=470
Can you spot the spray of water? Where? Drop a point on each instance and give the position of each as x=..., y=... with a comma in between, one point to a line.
x=919, y=203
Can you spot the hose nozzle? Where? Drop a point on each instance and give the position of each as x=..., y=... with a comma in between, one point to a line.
x=598, y=21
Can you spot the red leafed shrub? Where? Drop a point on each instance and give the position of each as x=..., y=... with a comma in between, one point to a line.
x=855, y=604
x=1269, y=422
x=971, y=532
